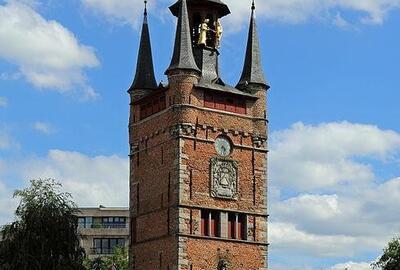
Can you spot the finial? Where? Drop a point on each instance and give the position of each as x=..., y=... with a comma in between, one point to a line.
x=145, y=7
x=253, y=6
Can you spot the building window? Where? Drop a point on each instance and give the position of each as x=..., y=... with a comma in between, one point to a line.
x=237, y=226
x=242, y=227
x=224, y=103
x=114, y=222
x=85, y=222
x=210, y=223
x=107, y=245
x=232, y=226
x=152, y=106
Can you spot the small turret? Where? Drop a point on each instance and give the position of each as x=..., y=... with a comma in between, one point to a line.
x=183, y=58
x=145, y=81
x=253, y=72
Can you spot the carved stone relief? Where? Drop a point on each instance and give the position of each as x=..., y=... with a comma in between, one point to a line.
x=224, y=178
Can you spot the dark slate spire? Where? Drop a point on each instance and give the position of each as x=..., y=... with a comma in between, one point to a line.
x=183, y=58
x=144, y=78
x=253, y=72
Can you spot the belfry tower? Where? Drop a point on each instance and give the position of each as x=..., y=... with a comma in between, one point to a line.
x=198, y=152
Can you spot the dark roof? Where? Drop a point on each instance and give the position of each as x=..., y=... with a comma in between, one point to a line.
x=144, y=77
x=222, y=8
x=183, y=57
x=223, y=88
x=253, y=72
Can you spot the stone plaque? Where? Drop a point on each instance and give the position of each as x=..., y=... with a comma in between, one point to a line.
x=224, y=178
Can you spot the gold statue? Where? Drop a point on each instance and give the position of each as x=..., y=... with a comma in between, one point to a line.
x=218, y=34
x=203, y=32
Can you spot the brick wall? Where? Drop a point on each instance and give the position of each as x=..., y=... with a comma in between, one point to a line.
x=170, y=182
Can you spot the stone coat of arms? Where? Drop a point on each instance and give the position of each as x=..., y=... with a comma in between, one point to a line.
x=224, y=178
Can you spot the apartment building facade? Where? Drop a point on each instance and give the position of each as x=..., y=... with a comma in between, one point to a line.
x=102, y=229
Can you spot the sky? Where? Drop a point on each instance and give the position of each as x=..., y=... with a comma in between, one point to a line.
x=333, y=66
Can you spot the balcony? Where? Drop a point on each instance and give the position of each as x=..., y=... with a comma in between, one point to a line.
x=102, y=225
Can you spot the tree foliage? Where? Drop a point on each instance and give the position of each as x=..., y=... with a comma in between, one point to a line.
x=390, y=260
x=44, y=234
x=119, y=259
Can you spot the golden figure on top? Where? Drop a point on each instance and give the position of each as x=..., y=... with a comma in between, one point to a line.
x=218, y=34
x=203, y=32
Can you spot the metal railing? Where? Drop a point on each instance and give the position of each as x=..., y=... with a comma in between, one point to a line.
x=102, y=225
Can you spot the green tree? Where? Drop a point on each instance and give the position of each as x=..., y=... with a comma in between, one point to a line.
x=95, y=264
x=390, y=260
x=119, y=258
x=44, y=234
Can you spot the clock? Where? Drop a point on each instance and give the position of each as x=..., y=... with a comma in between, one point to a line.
x=223, y=146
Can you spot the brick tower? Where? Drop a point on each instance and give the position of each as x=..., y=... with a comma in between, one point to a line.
x=198, y=180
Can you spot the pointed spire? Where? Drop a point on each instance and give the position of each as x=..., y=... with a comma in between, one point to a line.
x=183, y=57
x=253, y=72
x=144, y=77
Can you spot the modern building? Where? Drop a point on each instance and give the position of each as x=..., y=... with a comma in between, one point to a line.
x=102, y=229
x=198, y=149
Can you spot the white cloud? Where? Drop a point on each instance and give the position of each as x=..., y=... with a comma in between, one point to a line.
x=339, y=21
x=3, y=102
x=44, y=128
x=91, y=180
x=286, y=238
x=300, y=11
x=47, y=54
x=343, y=224
x=121, y=12
x=352, y=266
x=335, y=206
x=6, y=141
x=285, y=11
x=306, y=157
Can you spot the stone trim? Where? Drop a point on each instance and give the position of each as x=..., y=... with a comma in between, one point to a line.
x=222, y=210
x=222, y=239
x=172, y=107
x=188, y=131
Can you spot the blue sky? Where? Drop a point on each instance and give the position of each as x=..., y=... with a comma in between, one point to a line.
x=333, y=66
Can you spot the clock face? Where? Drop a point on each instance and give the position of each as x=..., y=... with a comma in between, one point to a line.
x=223, y=146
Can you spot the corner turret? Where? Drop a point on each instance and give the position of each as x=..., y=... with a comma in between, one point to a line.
x=183, y=58
x=253, y=72
x=145, y=81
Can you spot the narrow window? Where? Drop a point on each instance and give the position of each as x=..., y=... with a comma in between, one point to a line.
x=215, y=224
x=240, y=106
x=205, y=223
x=209, y=101
x=241, y=228
x=232, y=226
x=220, y=103
x=230, y=105
x=210, y=223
